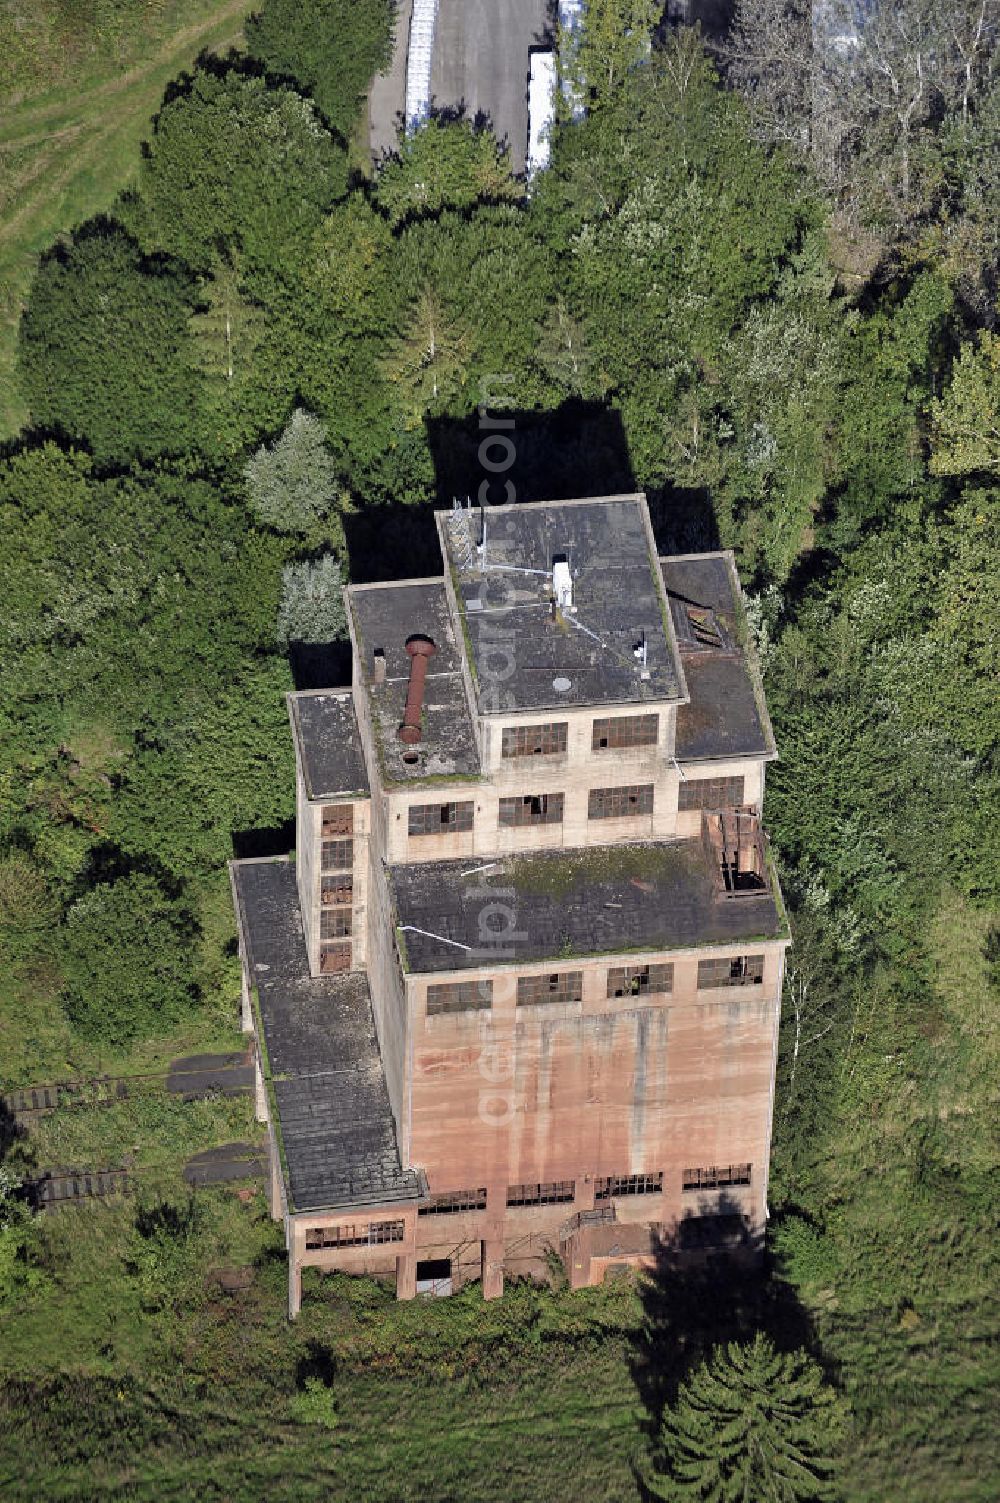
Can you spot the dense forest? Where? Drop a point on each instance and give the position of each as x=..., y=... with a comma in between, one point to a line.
x=758, y=281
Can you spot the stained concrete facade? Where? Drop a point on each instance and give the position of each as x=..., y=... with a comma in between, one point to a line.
x=519, y=991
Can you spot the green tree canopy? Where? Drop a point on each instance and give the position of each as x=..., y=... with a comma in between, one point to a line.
x=103, y=346
x=444, y=165
x=293, y=484
x=966, y=419
x=331, y=48
x=127, y=952
x=239, y=167
x=312, y=606
x=750, y=1425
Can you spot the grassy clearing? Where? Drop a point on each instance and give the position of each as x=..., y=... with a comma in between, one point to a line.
x=80, y=83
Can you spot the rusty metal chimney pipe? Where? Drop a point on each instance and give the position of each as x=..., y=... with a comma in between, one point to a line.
x=420, y=649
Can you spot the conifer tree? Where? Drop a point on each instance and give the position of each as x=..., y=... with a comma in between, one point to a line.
x=750, y=1425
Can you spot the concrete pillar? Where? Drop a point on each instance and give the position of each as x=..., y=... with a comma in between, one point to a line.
x=294, y=1284
x=260, y=1095
x=406, y=1276
x=492, y=1268
x=274, y=1180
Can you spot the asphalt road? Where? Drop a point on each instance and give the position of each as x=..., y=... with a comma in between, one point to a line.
x=480, y=64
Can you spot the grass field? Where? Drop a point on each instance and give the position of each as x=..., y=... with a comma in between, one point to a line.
x=78, y=86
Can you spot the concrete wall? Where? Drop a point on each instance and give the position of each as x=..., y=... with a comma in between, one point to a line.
x=560, y=1091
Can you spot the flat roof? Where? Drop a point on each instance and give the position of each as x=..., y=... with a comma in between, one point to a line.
x=726, y=715
x=657, y=896
x=325, y=727
x=384, y=616
x=321, y=1056
x=527, y=658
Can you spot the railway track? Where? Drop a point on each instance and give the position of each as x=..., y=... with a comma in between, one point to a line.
x=70, y=1187
x=190, y=1078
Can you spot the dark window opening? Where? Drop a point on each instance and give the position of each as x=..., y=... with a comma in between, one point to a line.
x=335, y=923
x=333, y=958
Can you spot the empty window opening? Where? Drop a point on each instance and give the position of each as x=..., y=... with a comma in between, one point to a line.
x=716, y=1177
x=440, y=819
x=555, y=1192
x=620, y=803
x=642, y=980
x=627, y=1184
x=734, y=842
x=556, y=986
x=618, y=732
x=534, y=740
x=532, y=809
x=459, y=996
x=434, y=1277
x=453, y=1202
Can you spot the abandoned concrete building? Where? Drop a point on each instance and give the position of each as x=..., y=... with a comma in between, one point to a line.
x=517, y=992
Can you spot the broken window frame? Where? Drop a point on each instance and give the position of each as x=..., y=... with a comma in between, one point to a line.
x=335, y=923
x=548, y=740
x=336, y=855
x=530, y=809
x=375, y=1234
x=623, y=732
x=717, y=1177
x=337, y=820
x=458, y=996
x=549, y=1193
x=550, y=986
x=630, y=801
x=730, y=970
x=441, y=819
x=454, y=1202
x=610, y=1186
x=711, y=793
x=654, y=979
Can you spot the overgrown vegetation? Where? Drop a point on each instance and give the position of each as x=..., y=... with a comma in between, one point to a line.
x=693, y=300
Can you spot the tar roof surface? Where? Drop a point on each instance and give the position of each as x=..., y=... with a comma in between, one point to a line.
x=602, y=900
x=726, y=716
x=324, y=1064
x=617, y=597
x=384, y=617
x=326, y=729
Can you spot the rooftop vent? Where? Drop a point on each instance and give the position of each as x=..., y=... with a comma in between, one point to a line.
x=562, y=583
x=420, y=649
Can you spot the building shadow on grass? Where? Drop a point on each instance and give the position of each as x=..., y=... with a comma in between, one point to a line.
x=712, y=1283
